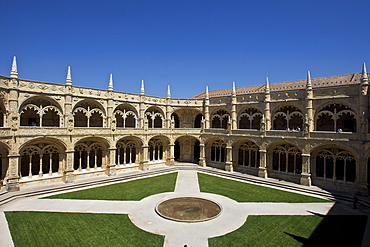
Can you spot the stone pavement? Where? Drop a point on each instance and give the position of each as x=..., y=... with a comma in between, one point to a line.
x=142, y=213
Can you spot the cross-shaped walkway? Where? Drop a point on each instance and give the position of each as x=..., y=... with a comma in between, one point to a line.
x=142, y=213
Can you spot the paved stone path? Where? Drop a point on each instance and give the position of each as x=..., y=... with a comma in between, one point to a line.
x=142, y=213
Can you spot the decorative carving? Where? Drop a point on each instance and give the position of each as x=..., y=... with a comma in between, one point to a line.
x=43, y=87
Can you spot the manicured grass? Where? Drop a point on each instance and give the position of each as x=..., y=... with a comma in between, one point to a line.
x=76, y=229
x=130, y=191
x=283, y=230
x=244, y=192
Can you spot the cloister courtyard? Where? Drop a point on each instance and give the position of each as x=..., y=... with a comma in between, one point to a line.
x=122, y=210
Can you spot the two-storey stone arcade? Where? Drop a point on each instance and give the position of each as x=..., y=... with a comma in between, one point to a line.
x=313, y=131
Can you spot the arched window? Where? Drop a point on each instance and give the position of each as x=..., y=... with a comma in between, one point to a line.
x=88, y=114
x=288, y=117
x=39, y=159
x=336, y=117
x=40, y=111
x=154, y=117
x=155, y=150
x=125, y=153
x=250, y=119
x=88, y=156
x=248, y=155
x=125, y=116
x=218, y=151
x=198, y=121
x=336, y=164
x=287, y=158
x=176, y=120
x=220, y=119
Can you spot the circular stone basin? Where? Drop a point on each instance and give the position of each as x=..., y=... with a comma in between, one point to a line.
x=188, y=209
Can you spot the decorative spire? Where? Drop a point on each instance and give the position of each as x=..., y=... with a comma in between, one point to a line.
x=364, y=74
x=142, y=91
x=110, y=85
x=233, y=92
x=69, y=77
x=168, y=92
x=14, y=71
x=267, y=87
x=207, y=93
x=309, y=84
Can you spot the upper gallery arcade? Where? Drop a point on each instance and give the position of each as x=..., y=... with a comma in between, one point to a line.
x=313, y=131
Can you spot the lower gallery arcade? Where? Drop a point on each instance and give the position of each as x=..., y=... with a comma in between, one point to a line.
x=46, y=158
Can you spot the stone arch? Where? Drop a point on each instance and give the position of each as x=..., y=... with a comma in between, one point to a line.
x=90, y=153
x=41, y=156
x=89, y=113
x=220, y=118
x=285, y=158
x=250, y=118
x=128, y=150
x=41, y=111
x=287, y=117
x=336, y=116
x=126, y=116
x=246, y=153
x=4, y=161
x=3, y=114
x=187, y=149
x=159, y=149
x=187, y=118
x=334, y=163
x=155, y=117
x=216, y=150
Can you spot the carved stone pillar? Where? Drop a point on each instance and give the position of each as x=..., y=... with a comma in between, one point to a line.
x=262, y=170
x=13, y=178
x=68, y=175
x=306, y=170
x=229, y=159
x=111, y=166
x=171, y=159
x=144, y=161
x=202, y=159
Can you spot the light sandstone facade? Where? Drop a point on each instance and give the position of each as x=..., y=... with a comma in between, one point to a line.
x=312, y=131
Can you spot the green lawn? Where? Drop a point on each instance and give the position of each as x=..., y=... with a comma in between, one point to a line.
x=77, y=229
x=127, y=191
x=244, y=192
x=283, y=230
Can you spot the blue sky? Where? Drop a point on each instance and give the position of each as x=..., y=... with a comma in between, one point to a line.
x=185, y=44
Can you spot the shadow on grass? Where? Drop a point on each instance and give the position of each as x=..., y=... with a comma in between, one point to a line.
x=336, y=230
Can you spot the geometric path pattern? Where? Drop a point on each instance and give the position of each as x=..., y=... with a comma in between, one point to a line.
x=177, y=234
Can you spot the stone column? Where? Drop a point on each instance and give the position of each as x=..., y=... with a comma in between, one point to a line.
x=144, y=160
x=111, y=166
x=13, y=178
x=202, y=159
x=171, y=159
x=262, y=170
x=68, y=175
x=306, y=170
x=229, y=159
